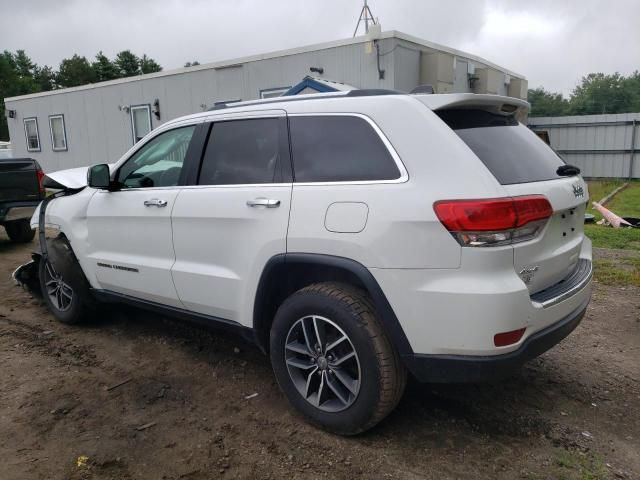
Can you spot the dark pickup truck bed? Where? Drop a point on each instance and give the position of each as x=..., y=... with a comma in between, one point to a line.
x=20, y=193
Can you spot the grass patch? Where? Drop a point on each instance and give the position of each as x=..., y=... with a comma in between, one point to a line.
x=576, y=466
x=611, y=272
x=598, y=189
x=626, y=204
x=608, y=237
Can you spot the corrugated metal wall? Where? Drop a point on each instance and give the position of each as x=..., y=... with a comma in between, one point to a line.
x=601, y=145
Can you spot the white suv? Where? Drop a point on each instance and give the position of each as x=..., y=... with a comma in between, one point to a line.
x=353, y=236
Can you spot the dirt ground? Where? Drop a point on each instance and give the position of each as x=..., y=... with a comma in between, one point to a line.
x=181, y=411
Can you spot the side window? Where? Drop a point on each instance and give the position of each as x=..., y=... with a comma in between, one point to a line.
x=246, y=151
x=336, y=148
x=159, y=162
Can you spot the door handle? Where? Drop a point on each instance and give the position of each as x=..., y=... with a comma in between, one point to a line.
x=263, y=202
x=155, y=202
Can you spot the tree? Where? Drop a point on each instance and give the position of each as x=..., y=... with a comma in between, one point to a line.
x=601, y=93
x=45, y=78
x=192, y=64
x=127, y=63
x=75, y=71
x=149, y=65
x=104, y=68
x=547, y=104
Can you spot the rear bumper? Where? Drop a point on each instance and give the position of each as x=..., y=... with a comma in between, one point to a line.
x=463, y=368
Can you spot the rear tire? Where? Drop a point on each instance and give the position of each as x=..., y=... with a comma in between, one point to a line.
x=348, y=396
x=64, y=287
x=19, y=231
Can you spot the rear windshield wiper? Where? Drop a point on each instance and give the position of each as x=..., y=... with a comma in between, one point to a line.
x=567, y=170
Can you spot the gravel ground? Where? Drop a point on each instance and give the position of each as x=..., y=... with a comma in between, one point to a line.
x=138, y=396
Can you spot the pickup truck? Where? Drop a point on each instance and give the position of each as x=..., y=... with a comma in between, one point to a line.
x=21, y=191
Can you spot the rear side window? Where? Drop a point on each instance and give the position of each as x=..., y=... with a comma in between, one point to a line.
x=511, y=152
x=246, y=152
x=334, y=148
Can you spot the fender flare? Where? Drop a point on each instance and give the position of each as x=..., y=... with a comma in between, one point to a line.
x=390, y=322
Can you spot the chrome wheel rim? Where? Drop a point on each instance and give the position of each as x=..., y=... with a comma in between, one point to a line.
x=322, y=363
x=59, y=292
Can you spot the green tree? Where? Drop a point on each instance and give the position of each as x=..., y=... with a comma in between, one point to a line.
x=104, y=68
x=17, y=73
x=547, y=104
x=632, y=84
x=45, y=78
x=602, y=93
x=128, y=64
x=75, y=71
x=149, y=65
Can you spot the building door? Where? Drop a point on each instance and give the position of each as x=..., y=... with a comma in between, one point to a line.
x=129, y=231
x=140, y=121
x=461, y=79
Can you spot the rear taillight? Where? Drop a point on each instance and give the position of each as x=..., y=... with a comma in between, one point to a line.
x=496, y=221
x=40, y=175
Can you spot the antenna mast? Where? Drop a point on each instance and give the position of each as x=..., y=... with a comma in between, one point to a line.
x=365, y=16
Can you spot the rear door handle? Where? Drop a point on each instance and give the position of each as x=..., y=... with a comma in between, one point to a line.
x=155, y=202
x=263, y=202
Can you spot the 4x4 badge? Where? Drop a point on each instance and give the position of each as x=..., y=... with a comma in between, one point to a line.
x=578, y=191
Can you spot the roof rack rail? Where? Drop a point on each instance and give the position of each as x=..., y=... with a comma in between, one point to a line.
x=372, y=92
x=365, y=92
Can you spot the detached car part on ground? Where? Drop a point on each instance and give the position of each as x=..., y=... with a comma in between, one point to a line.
x=354, y=237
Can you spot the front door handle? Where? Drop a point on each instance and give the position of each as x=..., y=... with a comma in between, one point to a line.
x=263, y=202
x=155, y=202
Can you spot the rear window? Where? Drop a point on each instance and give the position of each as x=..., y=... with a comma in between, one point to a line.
x=336, y=148
x=511, y=152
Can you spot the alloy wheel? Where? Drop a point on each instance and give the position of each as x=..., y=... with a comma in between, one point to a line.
x=323, y=363
x=59, y=292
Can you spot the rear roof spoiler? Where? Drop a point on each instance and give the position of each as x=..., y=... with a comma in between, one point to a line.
x=497, y=103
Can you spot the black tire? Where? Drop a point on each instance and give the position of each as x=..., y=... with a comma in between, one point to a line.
x=382, y=377
x=19, y=231
x=62, y=263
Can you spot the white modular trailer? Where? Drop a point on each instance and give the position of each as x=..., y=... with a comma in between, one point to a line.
x=97, y=123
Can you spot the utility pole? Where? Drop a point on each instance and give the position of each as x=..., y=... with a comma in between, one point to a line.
x=365, y=16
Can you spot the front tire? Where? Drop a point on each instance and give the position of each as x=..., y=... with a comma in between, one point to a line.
x=19, y=231
x=64, y=287
x=333, y=360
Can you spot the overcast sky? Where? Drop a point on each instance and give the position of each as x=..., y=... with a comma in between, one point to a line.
x=552, y=42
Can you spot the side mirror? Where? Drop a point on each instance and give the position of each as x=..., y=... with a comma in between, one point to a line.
x=98, y=176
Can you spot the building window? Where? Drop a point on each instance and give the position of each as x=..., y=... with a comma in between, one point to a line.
x=31, y=133
x=140, y=121
x=273, y=92
x=58, y=133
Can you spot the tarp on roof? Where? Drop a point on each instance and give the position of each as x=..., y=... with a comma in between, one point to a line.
x=311, y=84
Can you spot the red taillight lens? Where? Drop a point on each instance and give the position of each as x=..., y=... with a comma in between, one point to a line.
x=40, y=175
x=495, y=221
x=508, y=338
x=531, y=208
x=476, y=215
